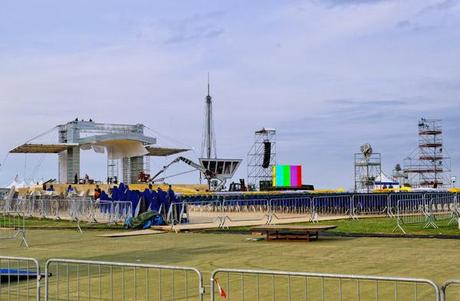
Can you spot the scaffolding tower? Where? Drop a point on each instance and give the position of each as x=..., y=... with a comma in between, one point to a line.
x=368, y=166
x=256, y=169
x=428, y=166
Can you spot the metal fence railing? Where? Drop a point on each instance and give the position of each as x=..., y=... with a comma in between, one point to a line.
x=425, y=209
x=99, y=280
x=394, y=198
x=245, y=210
x=12, y=226
x=19, y=278
x=368, y=204
x=406, y=207
x=197, y=212
x=70, y=279
x=291, y=207
x=332, y=205
x=256, y=285
x=443, y=207
x=450, y=290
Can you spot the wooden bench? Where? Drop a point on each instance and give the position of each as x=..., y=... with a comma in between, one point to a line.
x=292, y=232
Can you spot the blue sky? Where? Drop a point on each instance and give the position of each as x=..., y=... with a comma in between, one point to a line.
x=328, y=75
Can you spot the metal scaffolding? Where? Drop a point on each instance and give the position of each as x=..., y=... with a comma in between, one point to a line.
x=255, y=169
x=428, y=165
x=368, y=166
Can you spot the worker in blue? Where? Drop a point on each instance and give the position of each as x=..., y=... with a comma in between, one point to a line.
x=162, y=198
x=171, y=195
x=172, y=199
x=154, y=201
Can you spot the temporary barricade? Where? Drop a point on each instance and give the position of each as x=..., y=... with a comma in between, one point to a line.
x=100, y=280
x=70, y=279
x=443, y=206
x=401, y=196
x=245, y=210
x=424, y=209
x=20, y=278
x=198, y=212
x=120, y=211
x=414, y=211
x=328, y=205
x=450, y=290
x=236, y=284
x=291, y=207
x=12, y=226
x=365, y=204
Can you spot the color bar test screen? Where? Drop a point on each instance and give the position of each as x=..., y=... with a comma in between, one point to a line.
x=287, y=176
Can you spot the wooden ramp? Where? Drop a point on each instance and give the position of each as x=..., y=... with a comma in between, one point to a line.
x=132, y=233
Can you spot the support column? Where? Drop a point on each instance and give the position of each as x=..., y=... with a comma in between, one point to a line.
x=69, y=165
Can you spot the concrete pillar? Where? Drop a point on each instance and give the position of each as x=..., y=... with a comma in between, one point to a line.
x=69, y=165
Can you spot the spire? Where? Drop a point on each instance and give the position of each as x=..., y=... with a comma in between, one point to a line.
x=208, y=145
x=208, y=97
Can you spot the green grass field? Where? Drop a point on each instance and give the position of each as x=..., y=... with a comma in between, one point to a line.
x=435, y=259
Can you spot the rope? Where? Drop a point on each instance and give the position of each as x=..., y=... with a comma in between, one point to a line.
x=173, y=140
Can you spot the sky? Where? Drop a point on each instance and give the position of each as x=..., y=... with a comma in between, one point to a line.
x=329, y=75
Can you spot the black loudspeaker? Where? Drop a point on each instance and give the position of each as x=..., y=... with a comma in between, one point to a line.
x=267, y=154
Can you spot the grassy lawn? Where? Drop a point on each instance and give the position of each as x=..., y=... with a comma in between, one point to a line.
x=434, y=259
x=425, y=258
x=382, y=225
x=386, y=226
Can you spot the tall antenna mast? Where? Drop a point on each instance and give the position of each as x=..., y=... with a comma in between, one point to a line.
x=208, y=137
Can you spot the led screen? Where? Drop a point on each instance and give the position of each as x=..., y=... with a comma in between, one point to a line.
x=287, y=175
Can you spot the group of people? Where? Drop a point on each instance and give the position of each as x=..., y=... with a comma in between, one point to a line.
x=149, y=199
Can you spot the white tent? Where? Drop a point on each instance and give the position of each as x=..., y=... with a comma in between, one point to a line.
x=383, y=180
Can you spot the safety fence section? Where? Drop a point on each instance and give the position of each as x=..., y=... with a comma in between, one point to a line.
x=369, y=204
x=12, y=226
x=245, y=210
x=235, y=284
x=75, y=208
x=19, y=278
x=199, y=212
x=332, y=205
x=450, y=290
x=99, y=280
x=425, y=210
x=443, y=206
x=70, y=279
x=291, y=208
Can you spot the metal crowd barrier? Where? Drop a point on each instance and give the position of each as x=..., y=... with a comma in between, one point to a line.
x=20, y=278
x=368, y=204
x=395, y=197
x=331, y=205
x=443, y=206
x=292, y=207
x=245, y=210
x=448, y=287
x=425, y=209
x=100, y=280
x=197, y=212
x=412, y=212
x=120, y=211
x=12, y=226
x=69, y=279
x=238, y=284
